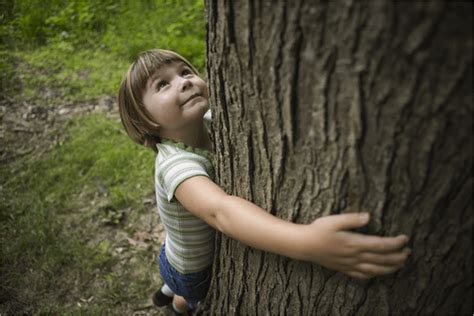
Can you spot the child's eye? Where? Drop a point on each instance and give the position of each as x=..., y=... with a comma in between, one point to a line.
x=186, y=72
x=161, y=84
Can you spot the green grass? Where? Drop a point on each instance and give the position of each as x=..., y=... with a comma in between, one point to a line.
x=74, y=74
x=81, y=49
x=98, y=152
x=54, y=228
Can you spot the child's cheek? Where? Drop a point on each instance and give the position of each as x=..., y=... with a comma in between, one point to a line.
x=206, y=91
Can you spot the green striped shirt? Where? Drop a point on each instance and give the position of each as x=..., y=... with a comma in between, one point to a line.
x=189, y=240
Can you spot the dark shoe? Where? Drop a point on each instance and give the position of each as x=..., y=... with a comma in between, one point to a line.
x=161, y=299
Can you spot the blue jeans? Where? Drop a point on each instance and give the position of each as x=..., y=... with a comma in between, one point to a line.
x=192, y=286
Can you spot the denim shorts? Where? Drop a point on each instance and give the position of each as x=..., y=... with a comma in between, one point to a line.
x=192, y=286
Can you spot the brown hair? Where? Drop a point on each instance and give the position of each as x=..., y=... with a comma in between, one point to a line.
x=136, y=120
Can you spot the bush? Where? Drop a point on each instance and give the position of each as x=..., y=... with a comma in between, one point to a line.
x=82, y=48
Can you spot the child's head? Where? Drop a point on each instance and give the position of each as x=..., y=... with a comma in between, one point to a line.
x=138, y=122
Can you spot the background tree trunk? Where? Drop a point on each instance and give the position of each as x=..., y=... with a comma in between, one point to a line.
x=322, y=106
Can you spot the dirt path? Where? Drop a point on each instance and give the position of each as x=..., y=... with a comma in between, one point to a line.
x=29, y=127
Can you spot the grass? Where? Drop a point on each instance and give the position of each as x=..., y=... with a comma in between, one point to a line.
x=81, y=50
x=79, y=75
x=62, y=216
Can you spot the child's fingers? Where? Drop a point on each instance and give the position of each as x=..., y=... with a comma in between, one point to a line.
x=392, y=259
x=358, y=275
x=375, y=269
x=349, y=220
x=380, y=244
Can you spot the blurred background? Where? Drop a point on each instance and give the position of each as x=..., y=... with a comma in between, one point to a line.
x=78, y=225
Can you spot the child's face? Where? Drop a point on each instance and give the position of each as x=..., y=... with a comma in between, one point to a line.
x=175, y=97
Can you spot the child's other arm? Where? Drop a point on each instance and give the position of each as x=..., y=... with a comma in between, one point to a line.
x=327, y=241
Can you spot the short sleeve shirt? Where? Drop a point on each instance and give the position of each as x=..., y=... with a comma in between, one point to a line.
x=189, y=240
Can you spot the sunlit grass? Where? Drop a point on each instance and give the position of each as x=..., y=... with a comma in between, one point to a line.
x=69, y=73
x=59, y=53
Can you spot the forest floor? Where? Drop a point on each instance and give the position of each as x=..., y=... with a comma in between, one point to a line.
x=127, y=240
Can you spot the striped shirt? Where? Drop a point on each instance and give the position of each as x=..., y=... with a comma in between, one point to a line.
x=189, y=240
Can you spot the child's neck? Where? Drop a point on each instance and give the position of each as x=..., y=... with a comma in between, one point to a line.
x=197, y=137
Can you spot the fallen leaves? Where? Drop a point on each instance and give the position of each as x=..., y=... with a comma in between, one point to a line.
x=109, y=215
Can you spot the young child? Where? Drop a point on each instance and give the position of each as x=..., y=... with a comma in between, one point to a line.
x=162, y=103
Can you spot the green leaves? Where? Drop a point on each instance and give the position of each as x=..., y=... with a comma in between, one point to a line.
x=81, y=49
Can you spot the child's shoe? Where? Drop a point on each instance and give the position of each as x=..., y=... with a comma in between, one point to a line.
x=161, y=299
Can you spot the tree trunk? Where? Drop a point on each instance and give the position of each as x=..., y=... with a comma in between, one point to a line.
x=324, y=106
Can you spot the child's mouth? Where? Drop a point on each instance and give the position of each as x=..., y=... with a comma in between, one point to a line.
x=191, y=97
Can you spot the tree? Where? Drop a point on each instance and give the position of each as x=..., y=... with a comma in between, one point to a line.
x=323, y=106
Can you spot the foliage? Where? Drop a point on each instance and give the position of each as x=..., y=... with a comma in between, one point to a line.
x=37, y=22
x=82, y=48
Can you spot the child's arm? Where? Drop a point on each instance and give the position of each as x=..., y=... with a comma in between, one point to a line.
x=326, y=241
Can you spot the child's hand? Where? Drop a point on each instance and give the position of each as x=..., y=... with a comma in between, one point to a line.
x=329, y=243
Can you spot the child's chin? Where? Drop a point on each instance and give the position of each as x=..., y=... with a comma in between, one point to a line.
x=203, y=106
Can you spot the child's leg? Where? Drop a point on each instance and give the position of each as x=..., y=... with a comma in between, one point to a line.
x=179, y=304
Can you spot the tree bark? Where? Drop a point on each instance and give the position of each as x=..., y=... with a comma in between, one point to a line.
x=324, y=106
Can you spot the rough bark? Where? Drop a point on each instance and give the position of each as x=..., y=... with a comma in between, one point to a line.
x=323, y=106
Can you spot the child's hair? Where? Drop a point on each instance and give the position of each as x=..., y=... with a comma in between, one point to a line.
x=138, y=123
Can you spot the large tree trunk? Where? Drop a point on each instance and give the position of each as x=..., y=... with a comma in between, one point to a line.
x=323, y=106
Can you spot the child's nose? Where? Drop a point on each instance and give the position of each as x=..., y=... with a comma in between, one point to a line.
x=185, y=84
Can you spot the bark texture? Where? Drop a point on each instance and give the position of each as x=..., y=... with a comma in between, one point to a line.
x=322, y=106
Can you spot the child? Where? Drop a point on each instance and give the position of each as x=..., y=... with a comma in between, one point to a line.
x=163, y=102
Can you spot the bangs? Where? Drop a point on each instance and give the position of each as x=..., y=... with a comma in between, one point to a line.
x=149, y=62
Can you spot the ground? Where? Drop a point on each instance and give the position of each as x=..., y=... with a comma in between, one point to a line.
x=32, y=129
